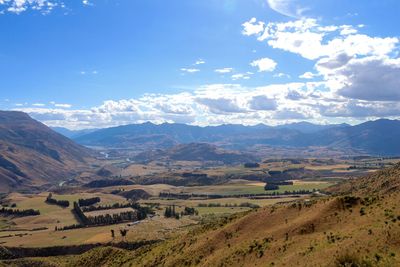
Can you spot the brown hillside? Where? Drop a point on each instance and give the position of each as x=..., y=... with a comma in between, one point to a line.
x=31, y=154
x=381, y=182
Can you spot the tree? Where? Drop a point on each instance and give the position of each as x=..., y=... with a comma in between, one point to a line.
x=123, y=232
x=112, y=234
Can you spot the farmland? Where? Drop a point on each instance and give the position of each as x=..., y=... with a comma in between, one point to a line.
x=235, y=196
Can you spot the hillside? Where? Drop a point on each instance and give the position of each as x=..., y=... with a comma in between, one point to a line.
x=374, y=137
x=383, y=182
x=358, y=230
x=196, y=152
x=31, y=154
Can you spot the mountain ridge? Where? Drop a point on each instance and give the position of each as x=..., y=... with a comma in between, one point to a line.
x=374, y=137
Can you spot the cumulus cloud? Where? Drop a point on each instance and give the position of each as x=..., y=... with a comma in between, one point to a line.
x=252, y=27
x=352, y=65
x=262, y=102
x=264, y=64
x=371, y=78
x=294, y=95
x=220, y=103
x=361, y=109
x=313, y=41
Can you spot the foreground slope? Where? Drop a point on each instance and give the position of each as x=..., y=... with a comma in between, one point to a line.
x=31, y=154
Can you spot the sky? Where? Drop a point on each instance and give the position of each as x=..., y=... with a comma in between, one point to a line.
x=101, y=63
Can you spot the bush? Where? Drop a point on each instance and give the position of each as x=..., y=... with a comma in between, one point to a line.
x=351, y=260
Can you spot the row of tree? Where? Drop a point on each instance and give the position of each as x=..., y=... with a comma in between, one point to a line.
x=170, y=212
x=294, y=192
x=88, y=201
x=139, y=213
x=61, y=203
x=18, y=212
x=106, y=207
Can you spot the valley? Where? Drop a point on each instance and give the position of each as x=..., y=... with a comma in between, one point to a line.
x=141, y=201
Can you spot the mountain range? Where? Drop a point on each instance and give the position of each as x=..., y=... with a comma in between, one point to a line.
x=378, y=137
x=32, y=155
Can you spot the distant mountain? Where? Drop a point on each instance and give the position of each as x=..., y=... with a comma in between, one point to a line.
x=72, y=133
x=31, y=154
x=196, y=152
x=374, y=137
x=168, y=135
x=307, y=127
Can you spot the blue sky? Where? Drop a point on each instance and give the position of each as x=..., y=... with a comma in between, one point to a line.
x=101, y=63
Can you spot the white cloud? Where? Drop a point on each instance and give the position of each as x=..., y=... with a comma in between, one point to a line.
x=220, y=103
x=264, y=64
x=313, y=41
x=41, y=6
x=189, y=70
x=62, y=105
x=241, y=76
x=308, y=75
x=281, y=75
x=251, y=27
x=224, y=70
x=290, y=8
x=353, y=66
x=88, y=72
x=199, y=62
x=38, y=105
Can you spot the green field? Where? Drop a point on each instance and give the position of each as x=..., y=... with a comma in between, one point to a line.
x=242, y=189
